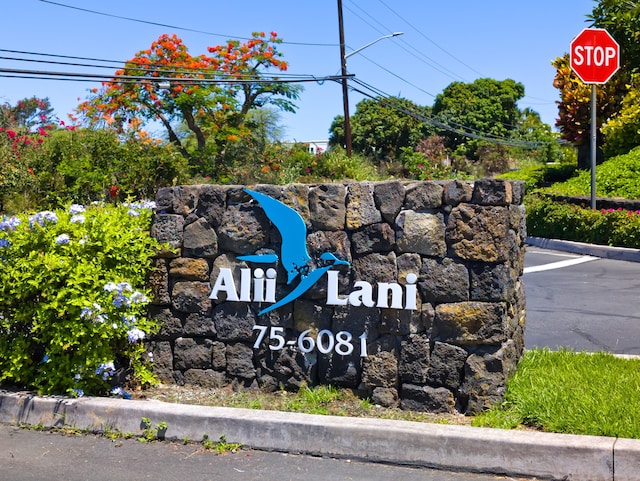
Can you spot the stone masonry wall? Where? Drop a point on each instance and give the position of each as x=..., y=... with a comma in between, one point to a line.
x=454, y=351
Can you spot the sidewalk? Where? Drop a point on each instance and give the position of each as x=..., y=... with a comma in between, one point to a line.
x=463, y=448
x=607, y=252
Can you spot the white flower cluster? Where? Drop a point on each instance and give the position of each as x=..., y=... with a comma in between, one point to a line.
x=76, y=211
x=9, y=224
x=43, y=218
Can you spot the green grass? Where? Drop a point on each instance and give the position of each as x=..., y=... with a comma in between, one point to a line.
x=568, y=392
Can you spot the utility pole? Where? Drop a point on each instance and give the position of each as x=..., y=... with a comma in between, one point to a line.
x=345, y=89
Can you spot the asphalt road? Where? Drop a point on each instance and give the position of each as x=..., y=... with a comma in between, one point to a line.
x=582, y=303
x=27, y=455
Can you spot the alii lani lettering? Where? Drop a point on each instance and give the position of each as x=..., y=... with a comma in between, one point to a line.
x=260, y=286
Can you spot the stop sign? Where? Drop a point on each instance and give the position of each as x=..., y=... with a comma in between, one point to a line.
x=594, y=55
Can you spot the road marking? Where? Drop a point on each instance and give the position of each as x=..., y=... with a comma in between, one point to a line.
x=551, y=253
x=559, y=265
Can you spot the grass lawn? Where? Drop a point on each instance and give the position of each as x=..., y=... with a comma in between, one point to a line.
x=569, y=392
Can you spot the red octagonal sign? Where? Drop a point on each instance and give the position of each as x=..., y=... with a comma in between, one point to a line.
x=594, y=55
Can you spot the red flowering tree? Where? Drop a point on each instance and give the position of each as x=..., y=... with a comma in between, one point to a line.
x=202, y=101
x=29, y=114
x=574, y=108
x=23, y=127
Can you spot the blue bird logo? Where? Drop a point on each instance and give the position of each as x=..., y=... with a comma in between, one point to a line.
x=294, y=254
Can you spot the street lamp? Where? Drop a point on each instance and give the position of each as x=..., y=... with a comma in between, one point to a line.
x=345, y=90
x=394, y=34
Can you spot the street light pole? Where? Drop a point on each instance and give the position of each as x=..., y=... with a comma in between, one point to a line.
x=394, y=34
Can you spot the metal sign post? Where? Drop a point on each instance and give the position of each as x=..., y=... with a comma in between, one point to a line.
x=594, y=146
x=594, y=58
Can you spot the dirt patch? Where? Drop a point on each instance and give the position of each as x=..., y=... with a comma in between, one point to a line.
x=327, y=401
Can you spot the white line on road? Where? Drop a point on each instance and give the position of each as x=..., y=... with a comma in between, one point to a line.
x=552, y=253
x=559, y=265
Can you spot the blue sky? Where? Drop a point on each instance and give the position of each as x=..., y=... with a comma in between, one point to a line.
x=443, y=41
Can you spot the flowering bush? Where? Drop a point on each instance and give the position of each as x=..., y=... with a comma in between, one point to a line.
x=72, y=305
x=16, y=155
x=557, y=220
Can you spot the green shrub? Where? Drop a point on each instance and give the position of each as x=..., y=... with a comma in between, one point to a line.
x=559, y=172
x=616, y=177
x=557, y=220
x=72, y=302
x=417, y=166
x=334, y=164
x=84, y=165
x=533, y=176
x=285, y=164
x=539, y=175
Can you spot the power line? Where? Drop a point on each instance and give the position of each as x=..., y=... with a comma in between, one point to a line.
x=417, y=54
x=90, y=59
x=42, y=77
x=428, y=39
x=398, y=76
x=51, y=62
x=379, y=96
x=128, y=65
x=179, y=80
x=420, y=55
x=507, y=125
x=186, y=29
x=421, y=33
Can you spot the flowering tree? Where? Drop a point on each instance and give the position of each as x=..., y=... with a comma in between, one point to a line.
x=574, y=107
x=208, y=96
x=23, y=128
x=28, y=114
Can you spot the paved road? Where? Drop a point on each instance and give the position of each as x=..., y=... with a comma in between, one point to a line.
x=34, y=456
x=581, y=302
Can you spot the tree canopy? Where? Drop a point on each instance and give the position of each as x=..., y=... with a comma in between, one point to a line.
x=28, y=114
x=486, y=107
x=470, y=121
x=381, y=127
x=622, y=20
x=210, y=95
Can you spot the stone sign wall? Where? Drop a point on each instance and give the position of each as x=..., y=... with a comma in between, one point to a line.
x=417, y=297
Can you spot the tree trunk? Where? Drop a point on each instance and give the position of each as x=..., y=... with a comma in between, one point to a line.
x=191, y=123
x=173, y=138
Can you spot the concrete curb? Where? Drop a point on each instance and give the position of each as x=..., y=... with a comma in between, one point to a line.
x=607, y=252
x=461, y=448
